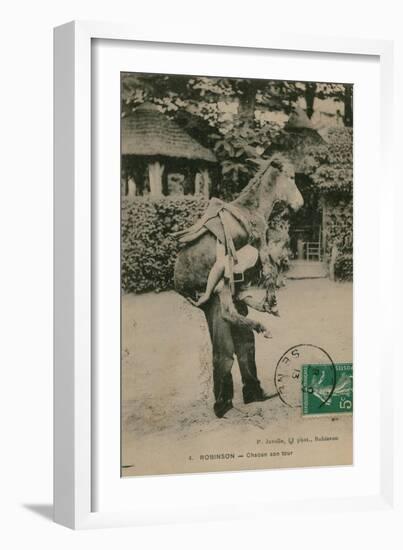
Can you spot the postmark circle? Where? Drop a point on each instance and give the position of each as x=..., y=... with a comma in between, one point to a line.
x=288, y=373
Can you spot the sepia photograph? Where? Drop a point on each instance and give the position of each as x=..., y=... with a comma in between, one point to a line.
x=236, y=274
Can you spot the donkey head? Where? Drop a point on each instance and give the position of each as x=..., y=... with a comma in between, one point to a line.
x=278, y=184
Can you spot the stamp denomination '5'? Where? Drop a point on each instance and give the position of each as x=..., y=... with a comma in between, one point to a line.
x=320, y=395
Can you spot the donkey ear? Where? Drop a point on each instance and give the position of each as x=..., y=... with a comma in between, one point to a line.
x=277, y=164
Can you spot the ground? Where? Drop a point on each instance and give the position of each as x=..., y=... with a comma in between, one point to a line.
x=167, y=394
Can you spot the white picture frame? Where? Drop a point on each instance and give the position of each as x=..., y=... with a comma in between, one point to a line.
x=76, y=470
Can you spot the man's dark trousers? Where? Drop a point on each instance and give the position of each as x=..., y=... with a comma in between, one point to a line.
x=228, y=339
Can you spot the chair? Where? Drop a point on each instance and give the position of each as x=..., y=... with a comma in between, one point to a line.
x=313, y=250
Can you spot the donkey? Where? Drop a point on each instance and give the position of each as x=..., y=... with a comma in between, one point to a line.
x=230, y=329
x=274, y=183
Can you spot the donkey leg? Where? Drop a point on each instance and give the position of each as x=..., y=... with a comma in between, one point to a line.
x=223, y=356
x=230, y=313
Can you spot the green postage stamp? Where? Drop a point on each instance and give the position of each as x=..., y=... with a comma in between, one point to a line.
x=327, y=389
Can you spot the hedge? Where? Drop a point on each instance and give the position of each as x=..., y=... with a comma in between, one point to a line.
x=343, y=267
x=339, y=233
x=330, y=165
x=149, y=249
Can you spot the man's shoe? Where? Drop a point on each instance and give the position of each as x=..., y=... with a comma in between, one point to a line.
x=256, y=397
x=221, y=408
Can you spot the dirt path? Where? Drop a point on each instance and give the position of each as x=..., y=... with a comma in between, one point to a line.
x=167, y=373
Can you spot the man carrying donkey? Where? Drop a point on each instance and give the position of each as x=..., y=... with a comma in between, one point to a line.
x=226, y=265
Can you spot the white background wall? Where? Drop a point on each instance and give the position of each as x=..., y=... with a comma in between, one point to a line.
x=26, y=252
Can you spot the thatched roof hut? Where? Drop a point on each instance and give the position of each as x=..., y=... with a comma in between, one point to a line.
x=301, y=136
x=151, y=135
x=324, y=165
x=298, y=120
x=148, y=132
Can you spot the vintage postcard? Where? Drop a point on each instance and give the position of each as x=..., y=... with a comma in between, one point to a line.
x=236, y=274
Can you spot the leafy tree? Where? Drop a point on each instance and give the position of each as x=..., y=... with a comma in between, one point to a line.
x=240, y=141
x=199, y=95
x=342, y=93
x=241, y=149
